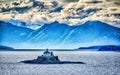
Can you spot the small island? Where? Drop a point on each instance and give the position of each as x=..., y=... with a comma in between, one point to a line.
x=49, y=58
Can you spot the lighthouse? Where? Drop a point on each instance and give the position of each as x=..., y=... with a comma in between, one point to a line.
x=47, y=53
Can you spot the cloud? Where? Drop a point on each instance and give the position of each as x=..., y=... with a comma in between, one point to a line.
x=92, y=1
x=70, y=1
x=72, y=12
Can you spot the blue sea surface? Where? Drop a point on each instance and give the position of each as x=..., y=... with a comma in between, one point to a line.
x=97, y=63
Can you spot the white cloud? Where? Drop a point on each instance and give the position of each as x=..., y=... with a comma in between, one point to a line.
x=72, y=13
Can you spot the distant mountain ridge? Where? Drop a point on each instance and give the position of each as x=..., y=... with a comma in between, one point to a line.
x=5, y=48
x=58, y=35
x=102, y=48
x=110, y=48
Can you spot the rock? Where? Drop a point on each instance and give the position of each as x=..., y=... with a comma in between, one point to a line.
x=49, y=58
x=46, y=58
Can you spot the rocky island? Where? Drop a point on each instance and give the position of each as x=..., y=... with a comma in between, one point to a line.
x=49, y=58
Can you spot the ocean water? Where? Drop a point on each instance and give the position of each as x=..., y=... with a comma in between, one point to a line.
x=97, y=63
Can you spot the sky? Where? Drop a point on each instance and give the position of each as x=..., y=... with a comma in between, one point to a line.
x=72, y=12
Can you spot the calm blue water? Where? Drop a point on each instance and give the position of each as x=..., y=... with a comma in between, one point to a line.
x=97, y=63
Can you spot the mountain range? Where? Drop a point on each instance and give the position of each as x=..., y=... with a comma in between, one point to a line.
x=57, y=35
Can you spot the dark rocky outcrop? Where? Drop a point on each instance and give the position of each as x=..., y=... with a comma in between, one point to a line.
x=49, y=58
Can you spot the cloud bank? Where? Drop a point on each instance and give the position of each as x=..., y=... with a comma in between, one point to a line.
x=72, y=12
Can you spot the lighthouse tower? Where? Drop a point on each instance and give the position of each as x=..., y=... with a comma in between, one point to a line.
x=47, y=53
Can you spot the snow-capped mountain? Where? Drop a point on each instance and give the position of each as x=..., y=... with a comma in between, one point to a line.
x=29, y=25
x=58, y=35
